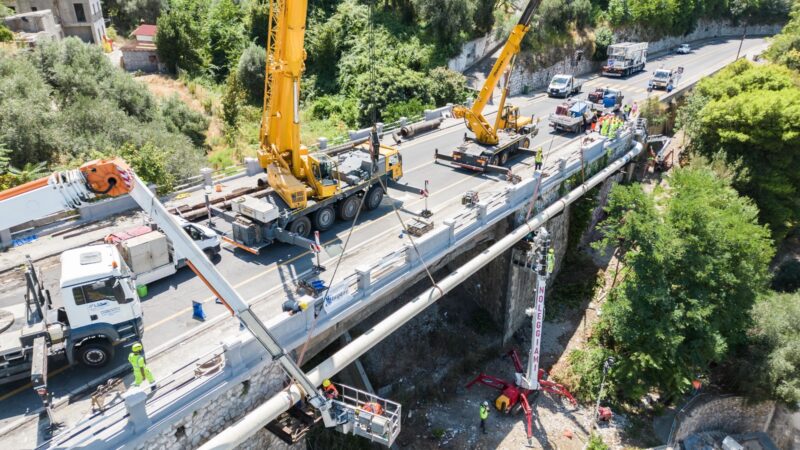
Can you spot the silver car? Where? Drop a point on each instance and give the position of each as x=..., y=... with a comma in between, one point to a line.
x=683, y=49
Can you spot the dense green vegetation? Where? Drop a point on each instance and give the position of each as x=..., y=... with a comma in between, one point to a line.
x=694, y=263
x=64, y=103
x=750, y=114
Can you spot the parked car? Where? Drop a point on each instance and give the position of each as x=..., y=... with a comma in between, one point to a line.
x=683, y=49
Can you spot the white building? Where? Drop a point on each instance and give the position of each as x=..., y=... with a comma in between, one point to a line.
x=81, y=18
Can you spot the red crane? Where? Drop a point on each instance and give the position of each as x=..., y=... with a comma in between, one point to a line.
x=516, y=393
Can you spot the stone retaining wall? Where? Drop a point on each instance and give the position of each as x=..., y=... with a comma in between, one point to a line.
x=524, y=80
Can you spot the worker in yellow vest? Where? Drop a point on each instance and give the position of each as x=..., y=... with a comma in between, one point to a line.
x=484, y=415
x=538, y=159
x=140, y=369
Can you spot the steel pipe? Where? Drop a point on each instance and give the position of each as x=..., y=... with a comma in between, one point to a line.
x=261, y=416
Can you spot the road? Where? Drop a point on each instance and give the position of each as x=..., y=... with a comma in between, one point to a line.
x=268, y=278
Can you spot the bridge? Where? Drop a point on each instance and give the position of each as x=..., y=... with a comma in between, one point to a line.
x=212, y=373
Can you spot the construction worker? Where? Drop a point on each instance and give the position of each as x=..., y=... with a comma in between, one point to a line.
x=539, y=158
x=551, y=261
x=605, y=127
x=626, y=111
x=484, y=415
x=330, y=390
x=139, y=365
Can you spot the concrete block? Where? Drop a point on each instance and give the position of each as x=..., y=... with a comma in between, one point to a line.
x=135, y=402
x=482, y=208
x=5, y=238
x=364, y=274
x=252, y=167
x=450, y=225
x=206, y=172
x=233, y=355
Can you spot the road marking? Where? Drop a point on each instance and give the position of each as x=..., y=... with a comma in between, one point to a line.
x=29, y=385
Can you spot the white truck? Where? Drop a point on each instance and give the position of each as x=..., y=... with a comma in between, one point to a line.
x=564, y=86
x=151, y=256
x=665, y=79
x=98, y=310
x=625, y=59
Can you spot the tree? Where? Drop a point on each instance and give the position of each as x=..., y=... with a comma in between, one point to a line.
x=226, y=36
x=127, y=14
x=150, y=164
x=258, y=22
x=785, y=46
x=180, y=38
x=770, y=367
x=446, y=20
x=484, y=16
x=5, y=34
x=28, y=172
x=251, y=72
x=232, y=101
x=787, y=278
x=179, y=118
x=694, y=263
x=751, y=116
x=28, y=125
x=447, y=86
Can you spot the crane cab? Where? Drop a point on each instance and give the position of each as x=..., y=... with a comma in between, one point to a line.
x=511, y=119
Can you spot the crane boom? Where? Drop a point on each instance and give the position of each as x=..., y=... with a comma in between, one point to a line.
x=485, y=133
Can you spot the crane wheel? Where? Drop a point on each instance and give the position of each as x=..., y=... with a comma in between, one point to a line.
x=324, y=218
x=526, y=143
x=374, y=197
x=301, y=226
x=348, y=208
x=503, y=158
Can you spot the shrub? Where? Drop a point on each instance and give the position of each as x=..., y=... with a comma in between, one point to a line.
x=251, y=72
x=788, y=277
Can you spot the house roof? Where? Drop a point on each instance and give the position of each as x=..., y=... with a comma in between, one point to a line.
x=145, y=30
x=139, y=46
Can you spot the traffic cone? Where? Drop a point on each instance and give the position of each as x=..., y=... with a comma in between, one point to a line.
x=197, y=311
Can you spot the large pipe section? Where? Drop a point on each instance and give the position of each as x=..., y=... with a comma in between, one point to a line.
x=272, y=408
x=416, y=128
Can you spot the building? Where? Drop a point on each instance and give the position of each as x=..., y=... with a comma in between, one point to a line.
x=33, y=27
x=80, y=18
x=140, y=54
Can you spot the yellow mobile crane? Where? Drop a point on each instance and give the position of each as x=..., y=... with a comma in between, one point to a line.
x=310, y=184
x=493, y=144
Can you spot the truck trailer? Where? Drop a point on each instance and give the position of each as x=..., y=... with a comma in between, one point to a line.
x=625, y=59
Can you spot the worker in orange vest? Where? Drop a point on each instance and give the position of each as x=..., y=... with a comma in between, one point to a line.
x=330, y=390
x=373, y=407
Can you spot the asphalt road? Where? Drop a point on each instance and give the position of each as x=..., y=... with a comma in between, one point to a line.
x=268, y=277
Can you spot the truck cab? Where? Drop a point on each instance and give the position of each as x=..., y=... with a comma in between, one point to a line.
x=661, y=79
x=100, y=305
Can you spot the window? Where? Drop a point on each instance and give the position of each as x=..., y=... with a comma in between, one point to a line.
x=80, y=14
x=110, y=289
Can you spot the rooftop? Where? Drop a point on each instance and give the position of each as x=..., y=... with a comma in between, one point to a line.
x=85, y=264
x=145, y=30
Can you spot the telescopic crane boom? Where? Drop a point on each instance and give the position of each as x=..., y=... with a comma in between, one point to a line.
x=507, y=116
x=69, y=189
